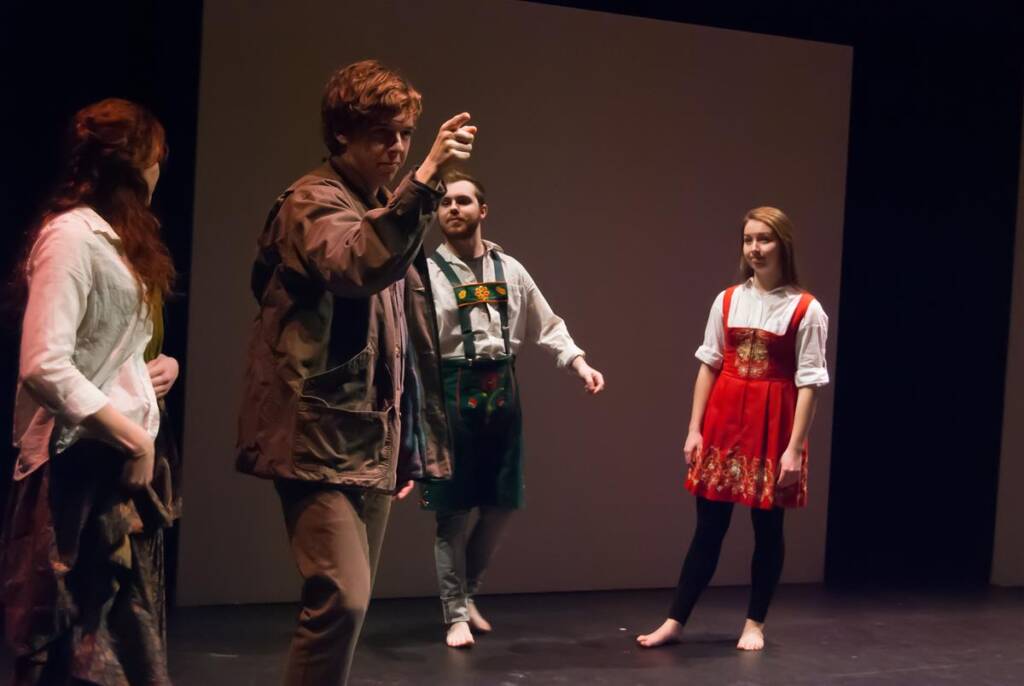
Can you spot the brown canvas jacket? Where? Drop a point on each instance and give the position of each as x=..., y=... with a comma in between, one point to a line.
x=327, y=361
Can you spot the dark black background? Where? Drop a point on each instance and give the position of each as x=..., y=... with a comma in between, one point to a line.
x=932, y=190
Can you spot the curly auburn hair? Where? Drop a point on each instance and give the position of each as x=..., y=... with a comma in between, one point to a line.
x=363, y=94
x=110, y=143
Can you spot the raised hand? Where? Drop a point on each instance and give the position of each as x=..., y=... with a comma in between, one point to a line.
x=454, y=142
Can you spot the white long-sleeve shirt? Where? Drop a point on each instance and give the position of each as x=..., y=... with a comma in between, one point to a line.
x=530, y=318
x=772, y=312
x=83, y=339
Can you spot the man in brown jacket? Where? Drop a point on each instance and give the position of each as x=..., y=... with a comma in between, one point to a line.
x=345, y=324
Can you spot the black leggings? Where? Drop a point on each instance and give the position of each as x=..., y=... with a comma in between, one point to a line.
x=765, y=566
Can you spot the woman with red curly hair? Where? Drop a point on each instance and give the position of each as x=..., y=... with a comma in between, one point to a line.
x=82, y=540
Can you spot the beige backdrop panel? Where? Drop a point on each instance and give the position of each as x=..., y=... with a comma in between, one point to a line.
x=620, y=154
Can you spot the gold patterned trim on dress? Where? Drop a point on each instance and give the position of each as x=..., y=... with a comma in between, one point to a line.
x=751, y=352
x=734, y=475
x=749, y=479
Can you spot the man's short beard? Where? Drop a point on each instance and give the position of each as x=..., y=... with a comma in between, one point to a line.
x=466, y=231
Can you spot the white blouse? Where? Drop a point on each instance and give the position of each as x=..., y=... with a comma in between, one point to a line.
x=772, y=312
x=83, y=339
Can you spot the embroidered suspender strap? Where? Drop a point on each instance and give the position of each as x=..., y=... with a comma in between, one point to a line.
x=468, y=346
x=499, y=275
x=800, y=311
x=726, y=304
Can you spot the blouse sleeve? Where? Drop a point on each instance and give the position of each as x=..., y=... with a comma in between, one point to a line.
x=711, y=351
x=811, y=369
x=60, y=278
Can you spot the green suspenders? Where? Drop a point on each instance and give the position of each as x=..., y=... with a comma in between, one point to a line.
x=469, y=295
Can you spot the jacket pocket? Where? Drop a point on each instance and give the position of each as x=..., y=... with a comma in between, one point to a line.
x=335, y=440
x=345, y=386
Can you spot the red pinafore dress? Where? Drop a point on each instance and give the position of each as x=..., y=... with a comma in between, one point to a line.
x=749, y=418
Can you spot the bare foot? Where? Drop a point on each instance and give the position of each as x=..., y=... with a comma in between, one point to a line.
x=459, y=636
x=752, y=637
x=669, y=632
x=477, y=621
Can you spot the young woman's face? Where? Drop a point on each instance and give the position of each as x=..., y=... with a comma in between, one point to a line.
x=761, y=248
x=151, y=174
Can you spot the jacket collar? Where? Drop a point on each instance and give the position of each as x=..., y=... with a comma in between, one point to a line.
x=334, y=169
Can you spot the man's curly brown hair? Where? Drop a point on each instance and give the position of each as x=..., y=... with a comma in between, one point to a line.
x=362, y=95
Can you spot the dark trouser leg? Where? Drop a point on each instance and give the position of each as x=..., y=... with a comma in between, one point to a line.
x=483, y=543
x=702, y=559
x=335, y=539
x=766, y=564
x=450, y=560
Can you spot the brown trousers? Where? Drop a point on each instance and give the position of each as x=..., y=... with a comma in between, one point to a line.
x=335, y=538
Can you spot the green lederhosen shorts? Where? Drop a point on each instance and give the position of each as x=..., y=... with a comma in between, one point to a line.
x=487, y=428
x=482, y=399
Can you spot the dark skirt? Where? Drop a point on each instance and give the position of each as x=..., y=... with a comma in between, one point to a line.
x=82, y=568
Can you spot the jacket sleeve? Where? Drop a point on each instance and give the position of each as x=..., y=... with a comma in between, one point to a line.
x=353, y=255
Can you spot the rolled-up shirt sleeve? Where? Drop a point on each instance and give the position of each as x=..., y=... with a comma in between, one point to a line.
x=545, y=328
x=712, y=349
x=60, y=279
x=811, y=337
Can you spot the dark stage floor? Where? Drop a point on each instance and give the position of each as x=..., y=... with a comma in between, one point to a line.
x=814, y=637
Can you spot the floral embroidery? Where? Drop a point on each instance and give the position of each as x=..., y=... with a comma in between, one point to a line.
x=501, y=290
x=482, y=293
x=734, y=475
x=742, y=478
x=471, y=402
x=751, y=353
x=462, y=294
x=490, y=382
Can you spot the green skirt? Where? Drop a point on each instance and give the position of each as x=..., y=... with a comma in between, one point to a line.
x=487, y=428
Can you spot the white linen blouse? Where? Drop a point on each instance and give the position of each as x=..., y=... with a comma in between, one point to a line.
x=84, y=335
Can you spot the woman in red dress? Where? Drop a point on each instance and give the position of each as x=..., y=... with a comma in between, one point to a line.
x=762, y=362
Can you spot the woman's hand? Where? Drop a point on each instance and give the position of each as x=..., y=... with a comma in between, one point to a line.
x=138, y=468
x=693, y=447
x=163, y=372
x=790, y=466
x=134, y=441
x=404, y=490
x=593, y=380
